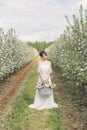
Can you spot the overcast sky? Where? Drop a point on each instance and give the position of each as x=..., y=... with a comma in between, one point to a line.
x=41, y=20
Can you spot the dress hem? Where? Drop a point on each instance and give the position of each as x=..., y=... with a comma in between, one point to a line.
x=45, y=107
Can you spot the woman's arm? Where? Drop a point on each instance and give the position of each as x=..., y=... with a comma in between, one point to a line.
x=41, y=75
x=49, y=74
x=40, y=72
x=47, y=77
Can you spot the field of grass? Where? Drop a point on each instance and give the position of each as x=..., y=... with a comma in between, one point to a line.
x=24, y=118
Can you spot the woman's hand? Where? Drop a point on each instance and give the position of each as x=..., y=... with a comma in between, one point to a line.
x=45, y=80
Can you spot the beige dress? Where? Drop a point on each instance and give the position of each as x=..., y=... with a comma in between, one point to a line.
x=45, y=102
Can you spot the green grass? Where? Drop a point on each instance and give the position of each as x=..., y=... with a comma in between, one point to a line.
x=24, y=118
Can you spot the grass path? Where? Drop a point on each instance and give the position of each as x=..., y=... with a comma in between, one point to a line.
x=24, y=118
x=69, y=116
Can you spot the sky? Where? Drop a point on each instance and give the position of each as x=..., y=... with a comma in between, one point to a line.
x=38, y=20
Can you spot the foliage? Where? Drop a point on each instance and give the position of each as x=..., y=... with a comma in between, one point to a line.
x=70, y=50
x=40, y=45
x=13, y=53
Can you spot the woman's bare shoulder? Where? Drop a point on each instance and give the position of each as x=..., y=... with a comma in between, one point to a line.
x=49, y=61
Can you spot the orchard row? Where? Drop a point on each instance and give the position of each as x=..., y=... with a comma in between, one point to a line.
x=14, y=53
x=70, y=50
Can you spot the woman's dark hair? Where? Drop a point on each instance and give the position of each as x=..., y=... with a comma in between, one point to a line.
x=42, y=52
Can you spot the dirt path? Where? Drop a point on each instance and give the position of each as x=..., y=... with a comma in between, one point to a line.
x=12, y=84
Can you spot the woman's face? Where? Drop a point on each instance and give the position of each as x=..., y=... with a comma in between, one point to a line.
x=44, y=57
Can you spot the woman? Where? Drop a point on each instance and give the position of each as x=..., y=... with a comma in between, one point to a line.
x=44, y=70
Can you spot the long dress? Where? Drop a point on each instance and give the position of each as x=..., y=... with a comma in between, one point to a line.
x=46, y=102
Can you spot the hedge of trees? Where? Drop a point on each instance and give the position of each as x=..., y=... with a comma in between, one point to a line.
x=70, y=50
x=14, y=54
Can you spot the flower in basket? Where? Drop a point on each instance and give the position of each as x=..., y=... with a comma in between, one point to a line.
x=47, y=84
x=39, y=85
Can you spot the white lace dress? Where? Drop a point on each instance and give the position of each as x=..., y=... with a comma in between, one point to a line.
x=45, y=102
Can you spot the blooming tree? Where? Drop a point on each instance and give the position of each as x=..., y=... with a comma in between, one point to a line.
x=13, y=53
x=70, y=50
